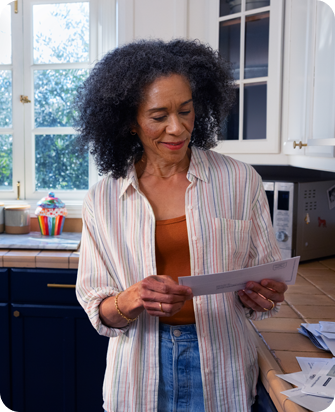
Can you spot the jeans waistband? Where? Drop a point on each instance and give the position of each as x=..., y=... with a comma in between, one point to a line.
x=178, y=332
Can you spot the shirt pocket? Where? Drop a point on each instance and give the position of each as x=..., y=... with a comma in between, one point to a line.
x=229, y=244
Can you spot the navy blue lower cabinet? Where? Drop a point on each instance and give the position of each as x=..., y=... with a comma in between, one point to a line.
x=4, y=355
x=58, y=360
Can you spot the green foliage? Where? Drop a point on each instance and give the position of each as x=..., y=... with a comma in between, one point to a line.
x=5, y=98
x=58, y=165
x=54, y=94
x=6, y=167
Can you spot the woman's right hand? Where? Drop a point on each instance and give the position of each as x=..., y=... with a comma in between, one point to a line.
x=162, y=296
x=158, y=295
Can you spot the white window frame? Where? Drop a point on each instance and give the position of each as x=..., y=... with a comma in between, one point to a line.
x=272, y=142
x=102, y=39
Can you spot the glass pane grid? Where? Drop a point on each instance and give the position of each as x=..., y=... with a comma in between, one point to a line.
x=247, y=49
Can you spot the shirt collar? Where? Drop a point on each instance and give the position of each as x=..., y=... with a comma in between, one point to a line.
x=130, y=179
x=198, y=168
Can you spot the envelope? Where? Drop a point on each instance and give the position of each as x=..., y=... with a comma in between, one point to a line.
x=282, y=271
x=312, y=403
x=322, y=383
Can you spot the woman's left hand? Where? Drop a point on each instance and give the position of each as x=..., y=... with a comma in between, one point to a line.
x=259, y=296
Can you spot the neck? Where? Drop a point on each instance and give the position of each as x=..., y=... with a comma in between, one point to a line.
x=162, y=169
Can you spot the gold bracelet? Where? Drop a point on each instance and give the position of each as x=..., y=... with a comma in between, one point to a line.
x=119, y=312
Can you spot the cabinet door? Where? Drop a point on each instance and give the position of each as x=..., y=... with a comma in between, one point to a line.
x=309, y=79
x=4, y=355
x=58, y=360
x=249, y=35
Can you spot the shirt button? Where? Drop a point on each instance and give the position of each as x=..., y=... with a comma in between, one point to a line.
x=190, y=207
x=195, y=238
x=177, y=333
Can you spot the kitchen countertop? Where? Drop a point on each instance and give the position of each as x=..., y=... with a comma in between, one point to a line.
x=278, y=342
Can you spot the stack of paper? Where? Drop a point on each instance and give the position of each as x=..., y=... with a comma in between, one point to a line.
x=322, y=334
x=315, y=384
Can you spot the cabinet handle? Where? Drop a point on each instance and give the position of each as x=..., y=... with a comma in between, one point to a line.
x=59, y=286
x=16, y=313
x=300, y=144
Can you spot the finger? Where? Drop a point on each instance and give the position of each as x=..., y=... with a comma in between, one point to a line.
x=162, y=309
x=252, y=304
x=280, y=287
x=259, y=300
x=151, y=296
x=264, y=292
x=163, y=286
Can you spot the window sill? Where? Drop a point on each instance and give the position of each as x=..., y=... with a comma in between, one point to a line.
x=73, y=207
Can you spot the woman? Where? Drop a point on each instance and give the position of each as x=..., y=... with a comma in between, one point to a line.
x=169, y=207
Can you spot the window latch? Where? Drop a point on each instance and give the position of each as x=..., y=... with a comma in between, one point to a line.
x=24, y=99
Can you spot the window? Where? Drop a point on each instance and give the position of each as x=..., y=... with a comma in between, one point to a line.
x=40, y=71
x=249, y=35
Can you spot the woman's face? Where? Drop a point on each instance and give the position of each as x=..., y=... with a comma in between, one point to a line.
x=165, y=119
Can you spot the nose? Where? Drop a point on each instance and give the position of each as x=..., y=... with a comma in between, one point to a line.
x=175, y=126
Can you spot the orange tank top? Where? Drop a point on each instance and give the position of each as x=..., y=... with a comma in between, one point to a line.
x=173, y=259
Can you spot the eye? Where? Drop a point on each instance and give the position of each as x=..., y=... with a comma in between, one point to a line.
x=185, y=113
x=159, y=119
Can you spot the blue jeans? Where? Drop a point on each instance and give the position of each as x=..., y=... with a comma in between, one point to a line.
x=180, y=384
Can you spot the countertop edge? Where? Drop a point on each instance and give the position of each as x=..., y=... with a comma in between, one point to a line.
x=268, y=368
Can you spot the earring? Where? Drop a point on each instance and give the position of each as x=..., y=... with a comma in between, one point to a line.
x=133, y=133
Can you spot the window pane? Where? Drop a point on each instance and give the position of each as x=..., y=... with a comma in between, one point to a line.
x=256, y=4
x=256, y=45
x=230, y=128
x=254, y=118
x=6, y=162
x=58, y=164
x=5, y=98
x=61, y=33
x=229, y=43
x=54, y=93
x=5, y=36
x=229, y=7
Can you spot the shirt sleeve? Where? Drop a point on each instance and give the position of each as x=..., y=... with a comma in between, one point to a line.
x=263, y=246
x=94, y=281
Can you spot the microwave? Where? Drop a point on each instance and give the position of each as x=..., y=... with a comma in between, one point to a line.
x=302, y=210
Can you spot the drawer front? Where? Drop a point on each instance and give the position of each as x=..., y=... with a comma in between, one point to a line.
x=44, y=286
x=4, y=285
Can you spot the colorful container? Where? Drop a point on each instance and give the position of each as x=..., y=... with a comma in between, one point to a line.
x=51, y=214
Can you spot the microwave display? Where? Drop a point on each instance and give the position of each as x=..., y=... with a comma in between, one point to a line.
x=283, y=200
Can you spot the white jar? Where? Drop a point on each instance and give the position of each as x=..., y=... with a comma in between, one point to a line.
x=2, y=217
x=17, y=219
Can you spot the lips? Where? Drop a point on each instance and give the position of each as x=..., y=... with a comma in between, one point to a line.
x=174, y=145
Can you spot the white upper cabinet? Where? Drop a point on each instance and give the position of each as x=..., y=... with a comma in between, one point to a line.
x=309, y=79
x=248, y=33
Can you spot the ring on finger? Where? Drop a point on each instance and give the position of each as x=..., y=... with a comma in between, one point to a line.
x=160, y=307
x=273, y=305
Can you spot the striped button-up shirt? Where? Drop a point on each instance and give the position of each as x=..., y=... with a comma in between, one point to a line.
x=229, y=227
